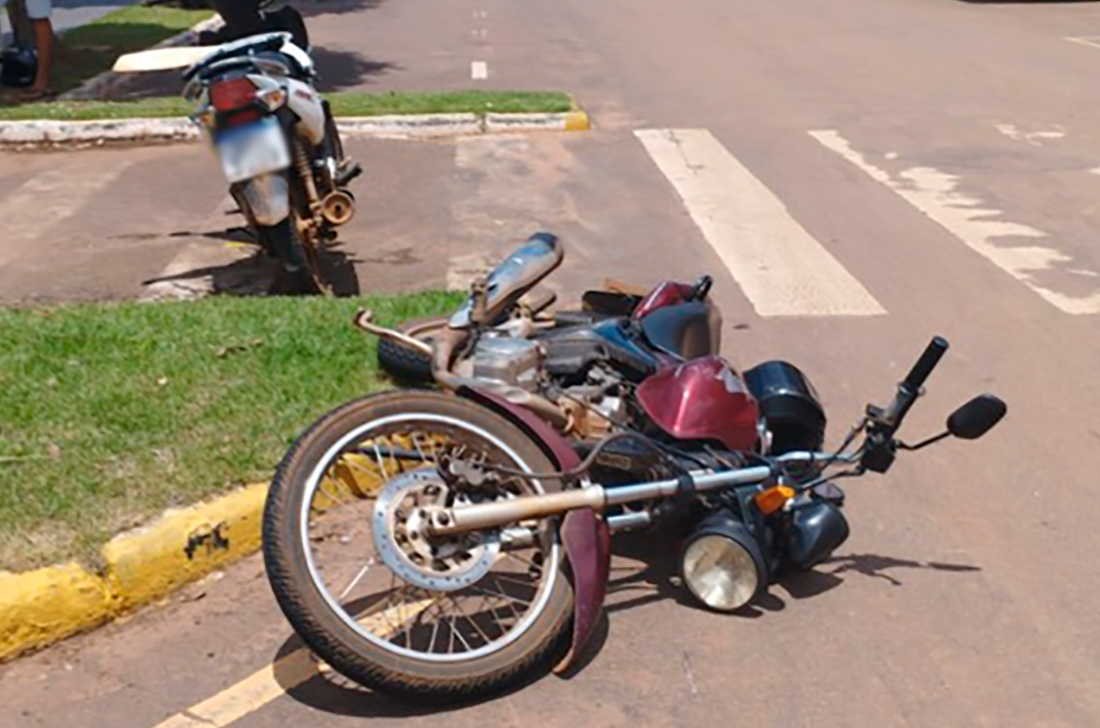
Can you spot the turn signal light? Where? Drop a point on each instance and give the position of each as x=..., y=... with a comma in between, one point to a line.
x=274, y=99
x=773, y=499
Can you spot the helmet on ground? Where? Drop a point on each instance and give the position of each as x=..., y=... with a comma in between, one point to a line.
x=18, y=67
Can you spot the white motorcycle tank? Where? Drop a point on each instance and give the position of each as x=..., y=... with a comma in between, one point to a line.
x=307, y=105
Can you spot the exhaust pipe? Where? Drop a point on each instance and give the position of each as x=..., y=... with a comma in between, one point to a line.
x=363, y=320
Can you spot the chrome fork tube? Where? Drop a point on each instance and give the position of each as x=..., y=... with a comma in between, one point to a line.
x=595, y=497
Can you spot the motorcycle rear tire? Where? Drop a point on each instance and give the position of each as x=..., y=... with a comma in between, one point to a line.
x=282, y=242
x=405, y=364
x=544, y=641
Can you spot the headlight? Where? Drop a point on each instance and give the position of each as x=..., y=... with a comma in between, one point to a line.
x=722, y=565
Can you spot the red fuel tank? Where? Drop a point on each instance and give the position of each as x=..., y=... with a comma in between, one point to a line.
x=703, y=399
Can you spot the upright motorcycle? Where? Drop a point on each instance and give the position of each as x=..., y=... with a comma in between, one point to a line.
x=277, y=141
x=446, y=545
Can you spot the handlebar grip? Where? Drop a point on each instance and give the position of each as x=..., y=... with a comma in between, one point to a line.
x=924, y=366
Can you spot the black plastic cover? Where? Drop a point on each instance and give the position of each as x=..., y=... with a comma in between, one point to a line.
x=815, y=530
x=611, y=302
x=789, y=405
x=688, y=331
x=570, y=352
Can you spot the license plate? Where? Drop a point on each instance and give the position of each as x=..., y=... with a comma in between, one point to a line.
x=252, y=150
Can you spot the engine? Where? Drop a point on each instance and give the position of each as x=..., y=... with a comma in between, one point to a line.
x=507, y=360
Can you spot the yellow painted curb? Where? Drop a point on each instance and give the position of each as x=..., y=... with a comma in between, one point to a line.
x=183, y=545
x=40, y=607
x=577, y=121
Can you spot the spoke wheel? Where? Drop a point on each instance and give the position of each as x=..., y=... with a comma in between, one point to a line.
x=373, y=591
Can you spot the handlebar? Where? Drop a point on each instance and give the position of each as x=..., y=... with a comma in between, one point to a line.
x=910, y=387
x=701, y=288
x=878, y=450
x=927, y=362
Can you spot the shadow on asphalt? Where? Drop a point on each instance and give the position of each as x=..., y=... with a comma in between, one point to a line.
x=310, y=8
x=257, y=274
x=630, y=587
x=338, y=70
x=329, y=692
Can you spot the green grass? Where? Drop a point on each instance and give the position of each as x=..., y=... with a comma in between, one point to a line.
x=348, y=103
x=110, y=413
x=88, y=50
x=456, y=102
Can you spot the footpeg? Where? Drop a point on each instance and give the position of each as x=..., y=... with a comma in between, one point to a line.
x=347, y=173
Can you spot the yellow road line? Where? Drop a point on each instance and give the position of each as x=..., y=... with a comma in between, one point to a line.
x=267, y=684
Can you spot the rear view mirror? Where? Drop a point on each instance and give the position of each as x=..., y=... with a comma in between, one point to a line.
x=976, y=417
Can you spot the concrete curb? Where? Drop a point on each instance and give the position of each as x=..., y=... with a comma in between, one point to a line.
x=49, y=132
x=412, y=125
x=155, y=131
x=38, y=608
x=571, y=121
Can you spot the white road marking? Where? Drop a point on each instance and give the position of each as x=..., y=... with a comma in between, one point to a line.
x=935, y=194
x=1093, y=41
x=480, y=33
x=49, y=198
x=479, y=70
x=273, y=680
x=782, y=269
x=1034, y=138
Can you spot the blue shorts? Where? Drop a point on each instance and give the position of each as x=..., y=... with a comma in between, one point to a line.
x=36, y=9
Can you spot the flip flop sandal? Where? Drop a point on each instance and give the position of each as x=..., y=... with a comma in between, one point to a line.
x=31, y=96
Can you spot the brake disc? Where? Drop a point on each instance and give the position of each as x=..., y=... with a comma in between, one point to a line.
x=406, y=547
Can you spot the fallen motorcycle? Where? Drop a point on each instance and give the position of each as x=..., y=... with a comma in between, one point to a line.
x=277, y=141
x=448, y=545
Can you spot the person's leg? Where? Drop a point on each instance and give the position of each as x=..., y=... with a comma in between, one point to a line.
x=39, y=12
x=43, y=44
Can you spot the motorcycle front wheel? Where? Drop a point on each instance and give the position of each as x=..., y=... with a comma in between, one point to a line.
x=377, y=597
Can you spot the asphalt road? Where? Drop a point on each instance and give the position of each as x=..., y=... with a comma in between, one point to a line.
x=858, y=175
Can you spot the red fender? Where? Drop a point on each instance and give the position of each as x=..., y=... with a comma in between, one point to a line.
x=584, y=533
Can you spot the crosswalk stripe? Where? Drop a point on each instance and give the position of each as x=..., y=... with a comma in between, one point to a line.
x=48, y=198
x=976, y=224
x=781, y=268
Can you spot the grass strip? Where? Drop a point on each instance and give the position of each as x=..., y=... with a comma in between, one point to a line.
x=111, y=412
x=345, y=103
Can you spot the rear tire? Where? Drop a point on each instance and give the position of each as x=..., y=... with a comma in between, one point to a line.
x=283, y=242
x=405, y=364
x=328, y=634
